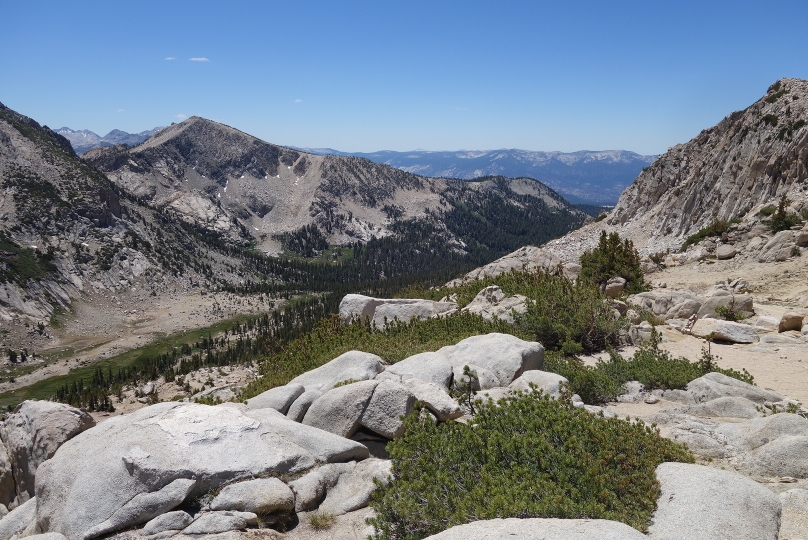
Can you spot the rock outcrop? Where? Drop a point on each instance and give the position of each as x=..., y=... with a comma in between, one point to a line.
x=703, y=502
x=33, y=433
x=132, y=468
x=382, y=311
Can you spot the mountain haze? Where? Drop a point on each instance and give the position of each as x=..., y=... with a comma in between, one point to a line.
x=84, y=140
x=581, y=177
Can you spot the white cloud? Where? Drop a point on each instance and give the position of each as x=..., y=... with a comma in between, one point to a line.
x=461, y=108
x=119, y=110
x=180, y=116
x=171, y=58
x=298, y=101
x=200, y=59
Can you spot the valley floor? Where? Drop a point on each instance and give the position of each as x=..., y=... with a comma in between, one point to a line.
x=105, y=324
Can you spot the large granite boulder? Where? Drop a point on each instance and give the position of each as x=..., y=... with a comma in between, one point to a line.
x=704, y=502
x=339, y=410
x=381, y=311
x=19, y=521
x=506, y=356
x=376, y=405
x=353, y=365
x=715, y=385
x=779, y=247
x=388, y=406
x=547, y=382
x=33, y=433
x=353, y=488
x=129, y=469
x=732, y=332
x=540, y=529
x=428, y=366
x=435, y=398
x=614, y=287
x=666, y=303
x=794, y=523
x=790, y=320
x=297, y=410
x=279, y=398
x=492, y=302
x=721, y=298
x=725, y=251
x=260, y=496
x=8, y=489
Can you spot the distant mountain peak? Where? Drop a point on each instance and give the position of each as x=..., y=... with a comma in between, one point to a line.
x=84, y=140
x=586, y=176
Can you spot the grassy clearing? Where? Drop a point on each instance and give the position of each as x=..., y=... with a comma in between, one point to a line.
x=47, y=388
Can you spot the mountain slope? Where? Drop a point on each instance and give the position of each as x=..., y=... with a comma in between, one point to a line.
x=228, y=182
x=731, y=171
x=750, y=158
x=581, y=177
x=67, y=231
x=85, y=140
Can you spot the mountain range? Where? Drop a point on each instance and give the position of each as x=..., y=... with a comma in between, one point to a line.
x=85, y=140
x=230, y=183
x=584, y=177
x=199, y=206
x=581, y=177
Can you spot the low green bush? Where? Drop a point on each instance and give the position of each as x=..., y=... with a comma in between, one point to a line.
x=393, y=343
x=781, y=219
x=653, y=366
x=524, y=456
x=716, y=228
x=562, y=314
x=592, y=385
x=569, y=316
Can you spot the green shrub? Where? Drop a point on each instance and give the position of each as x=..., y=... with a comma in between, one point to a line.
x=561, y=314
x=729, y=313
x=771, y=119
x=322, y=521
x=569, y=316
x=716, y=228
x=610, y=259
x=394, y=343
x=592, y=385
x=657, y=368
x=524, y=456
x=652, y=366
x=766, y=211
x=781, y=219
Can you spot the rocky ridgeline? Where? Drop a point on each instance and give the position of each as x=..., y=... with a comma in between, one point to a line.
x=221, y=179
x=749, y=159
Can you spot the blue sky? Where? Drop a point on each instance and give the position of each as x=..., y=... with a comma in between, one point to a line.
x=364, y=76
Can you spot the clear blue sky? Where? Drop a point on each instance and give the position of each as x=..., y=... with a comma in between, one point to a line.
x=438, y=75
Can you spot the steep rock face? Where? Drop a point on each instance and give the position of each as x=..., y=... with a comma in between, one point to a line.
x=222, y=179
x=750, y=158
x=733, y=170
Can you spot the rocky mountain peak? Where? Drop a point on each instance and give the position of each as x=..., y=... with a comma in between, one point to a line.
x=228, y=182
